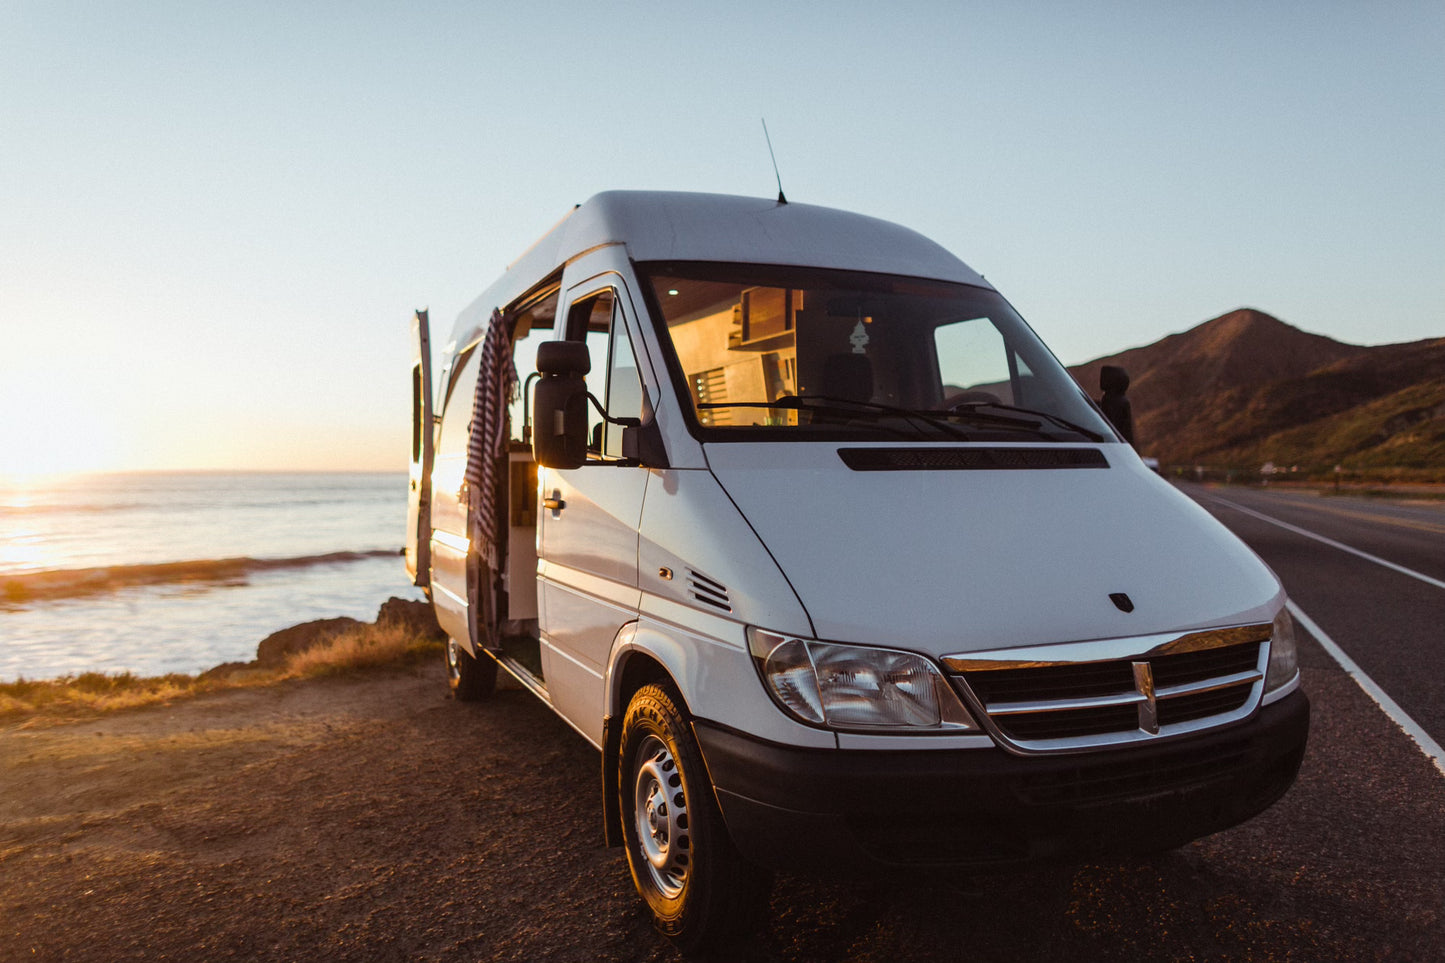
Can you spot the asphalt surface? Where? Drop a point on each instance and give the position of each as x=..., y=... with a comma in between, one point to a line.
x=1390, y=623
x=372, y=819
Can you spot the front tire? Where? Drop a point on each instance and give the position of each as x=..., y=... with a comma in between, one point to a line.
x=469, y=678
x=702, y=893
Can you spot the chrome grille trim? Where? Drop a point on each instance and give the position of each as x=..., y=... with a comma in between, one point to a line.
x=1117, y=692
x=1209, y=685
x=1098, y=650
x=1063, y=705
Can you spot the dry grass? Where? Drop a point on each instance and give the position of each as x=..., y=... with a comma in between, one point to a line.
x=364, y=647
x=92, y=693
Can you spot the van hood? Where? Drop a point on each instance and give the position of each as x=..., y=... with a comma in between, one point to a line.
x=951, y=561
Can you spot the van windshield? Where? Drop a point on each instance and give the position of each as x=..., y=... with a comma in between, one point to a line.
x=776, y=353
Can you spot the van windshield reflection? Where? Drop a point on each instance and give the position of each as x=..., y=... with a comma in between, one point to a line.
x=771, y=353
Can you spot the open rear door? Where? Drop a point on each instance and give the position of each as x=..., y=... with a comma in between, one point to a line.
x=418, y=503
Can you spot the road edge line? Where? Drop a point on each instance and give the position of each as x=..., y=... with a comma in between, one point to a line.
x=1390, y=707
x=1329, y=541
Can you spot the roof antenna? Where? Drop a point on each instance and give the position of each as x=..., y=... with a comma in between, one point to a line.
x=781, y=198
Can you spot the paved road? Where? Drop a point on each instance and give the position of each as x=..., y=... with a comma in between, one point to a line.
x=398, y=825
x=370, y=819
x=1390, y=622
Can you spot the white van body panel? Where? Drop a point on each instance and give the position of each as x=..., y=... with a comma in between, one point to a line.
x=1029, y=557
x=660, y=225
x=450, y=545
x=587, y=580
x=692, y=532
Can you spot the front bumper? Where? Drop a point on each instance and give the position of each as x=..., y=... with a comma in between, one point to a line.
x=867, y=811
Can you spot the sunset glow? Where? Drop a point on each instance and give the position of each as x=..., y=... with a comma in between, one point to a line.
x=216, y=222
x=44, y=434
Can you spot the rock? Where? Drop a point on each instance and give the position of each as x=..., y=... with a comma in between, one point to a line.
x=225, y=670
x=275, y=647
x=418, y=618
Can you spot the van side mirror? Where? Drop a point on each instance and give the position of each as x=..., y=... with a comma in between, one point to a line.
x=1114, y=382
x=559, y=405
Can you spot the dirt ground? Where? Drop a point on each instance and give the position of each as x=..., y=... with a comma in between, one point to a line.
x=371, y=818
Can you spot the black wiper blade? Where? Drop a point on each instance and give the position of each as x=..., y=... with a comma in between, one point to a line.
x=845, y=406
x=1047, y=416
x=982, y=417
x=851, y=406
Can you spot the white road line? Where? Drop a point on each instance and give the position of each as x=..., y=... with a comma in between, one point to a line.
x=1391, y=708
x=1329, y=541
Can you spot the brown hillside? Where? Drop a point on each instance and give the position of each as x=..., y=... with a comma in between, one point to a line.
x=1404, y=430
x=1385, y=409
x=1188, y=386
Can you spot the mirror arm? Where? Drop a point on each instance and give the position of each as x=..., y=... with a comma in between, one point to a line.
x=527, y=407
x=649, y=451
x=623, y=422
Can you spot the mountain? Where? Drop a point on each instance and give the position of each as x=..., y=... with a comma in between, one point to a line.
x=1246, y=388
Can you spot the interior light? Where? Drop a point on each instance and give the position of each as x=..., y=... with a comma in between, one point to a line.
x=672, y=291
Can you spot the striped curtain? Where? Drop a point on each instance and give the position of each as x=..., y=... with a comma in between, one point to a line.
x=487, y=446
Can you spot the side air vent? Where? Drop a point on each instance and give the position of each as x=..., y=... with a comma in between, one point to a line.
x=708, y=592
x=970, y=459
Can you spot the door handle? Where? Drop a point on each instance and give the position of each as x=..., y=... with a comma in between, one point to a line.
x=555, y=502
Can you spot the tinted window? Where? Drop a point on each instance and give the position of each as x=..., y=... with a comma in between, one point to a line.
x=769, y=353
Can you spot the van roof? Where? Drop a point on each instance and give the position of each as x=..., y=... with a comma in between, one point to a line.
x=682, y=226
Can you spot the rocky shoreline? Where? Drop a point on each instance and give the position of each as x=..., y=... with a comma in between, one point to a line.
x=415, y=618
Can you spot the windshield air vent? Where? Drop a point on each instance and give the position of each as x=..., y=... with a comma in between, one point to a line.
x=708, y=592
x=970, y=459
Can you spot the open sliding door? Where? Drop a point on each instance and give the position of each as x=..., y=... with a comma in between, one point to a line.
x=418, y=502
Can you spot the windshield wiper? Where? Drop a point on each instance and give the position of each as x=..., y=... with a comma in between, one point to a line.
x=849, y=407
x=936, y=419
x=1055, y=419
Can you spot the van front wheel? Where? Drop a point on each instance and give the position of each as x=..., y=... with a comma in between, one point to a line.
x=468, y=677
x=703, y=895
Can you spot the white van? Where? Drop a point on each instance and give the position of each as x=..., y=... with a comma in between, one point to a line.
x=790, y=515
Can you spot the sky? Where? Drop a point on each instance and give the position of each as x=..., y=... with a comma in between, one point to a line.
x=216, y=219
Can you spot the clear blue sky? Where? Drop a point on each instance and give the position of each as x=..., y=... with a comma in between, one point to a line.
x=215, y=219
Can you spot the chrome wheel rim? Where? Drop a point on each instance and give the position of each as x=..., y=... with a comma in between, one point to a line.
x=659, y=813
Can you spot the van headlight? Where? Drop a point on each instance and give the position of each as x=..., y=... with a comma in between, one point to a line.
x=855, y=686
x=1283, y=660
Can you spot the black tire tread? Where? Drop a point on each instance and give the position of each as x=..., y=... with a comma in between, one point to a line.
x=726, y=899
x=475, y=679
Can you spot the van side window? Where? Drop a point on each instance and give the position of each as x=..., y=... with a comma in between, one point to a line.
x=624, y=387
x=416, y=424
x=613, y=380
x=457, y=415
x=533, y=325
x=974, y=363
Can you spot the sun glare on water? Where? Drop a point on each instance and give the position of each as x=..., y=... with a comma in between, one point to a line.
x=23, y=546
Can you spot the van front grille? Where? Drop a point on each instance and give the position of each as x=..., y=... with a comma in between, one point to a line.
x=1196, y=682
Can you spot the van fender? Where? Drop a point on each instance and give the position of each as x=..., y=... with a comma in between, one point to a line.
x=647, y=651
x=640, y=655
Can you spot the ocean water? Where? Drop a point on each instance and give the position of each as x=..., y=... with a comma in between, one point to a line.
x=177, y=572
